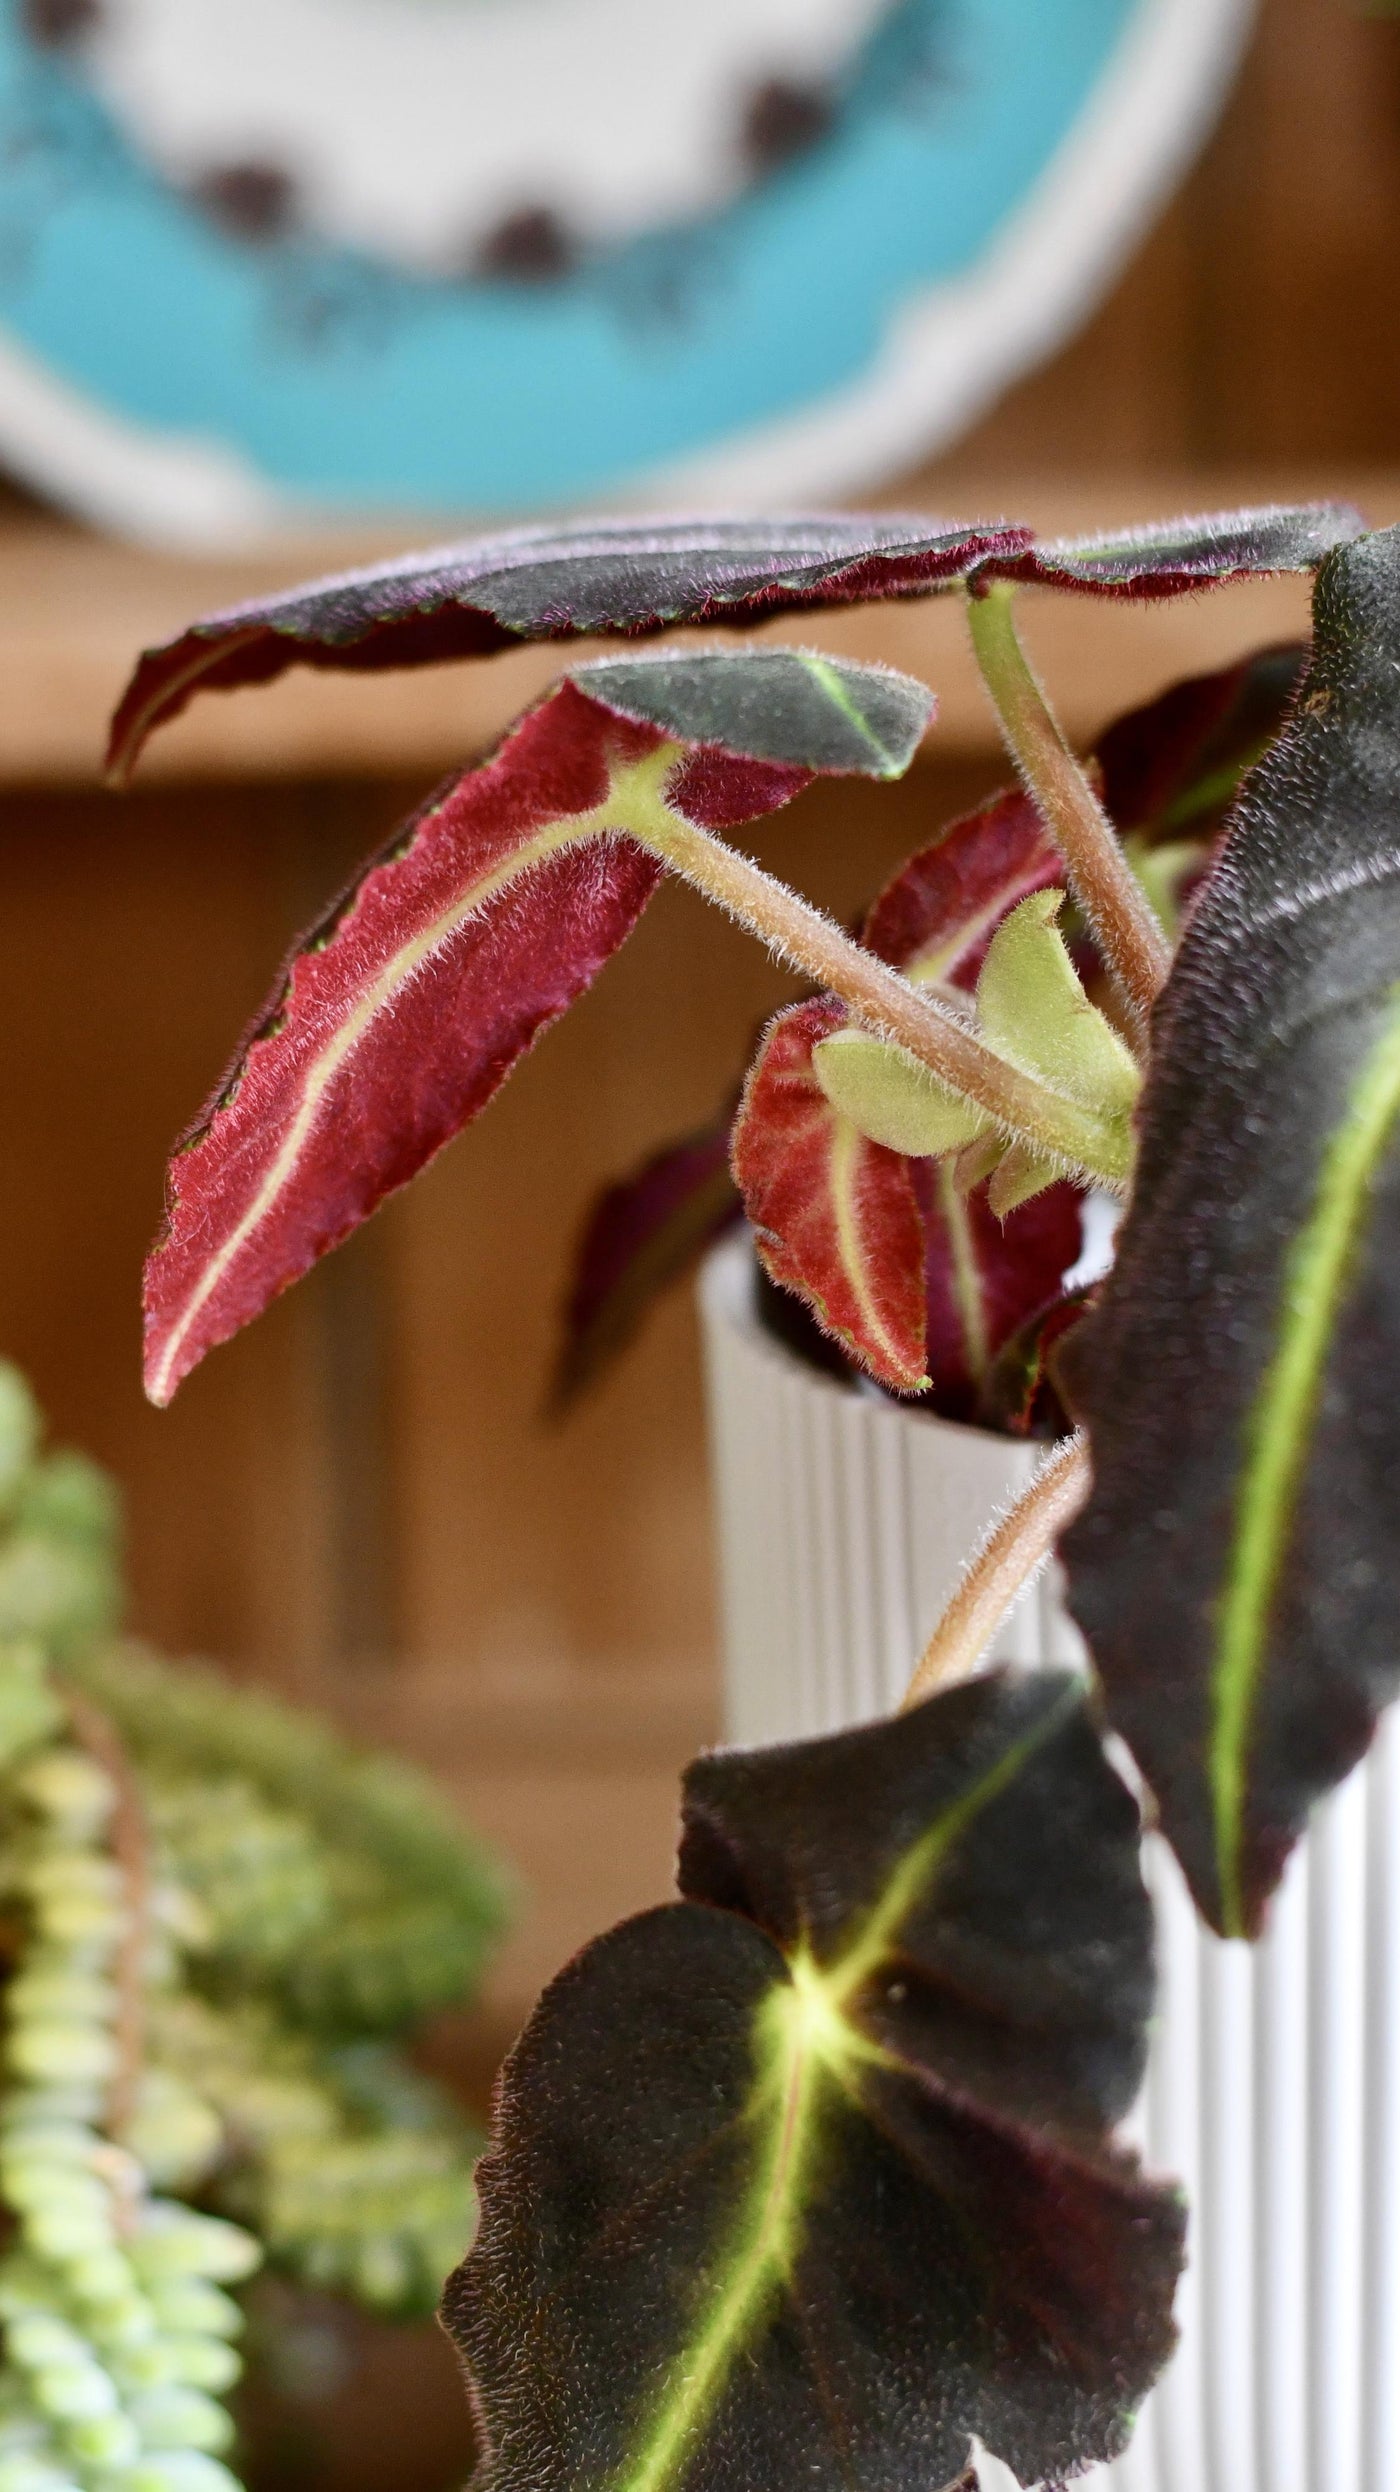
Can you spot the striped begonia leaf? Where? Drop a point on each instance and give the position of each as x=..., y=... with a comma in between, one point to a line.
x=811, y=2177
x=915, y=1277
x=641, y=1235
x=638, y=577
x=1170, y=769
x=401, y=1014
x=609, y=578
x=1237, y=1570
x=835, y=1217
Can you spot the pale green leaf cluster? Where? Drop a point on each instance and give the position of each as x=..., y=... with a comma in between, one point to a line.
x=1032, y=1009
x=305, y=1905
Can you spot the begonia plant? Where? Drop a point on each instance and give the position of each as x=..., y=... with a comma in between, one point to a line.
x=814, y=2175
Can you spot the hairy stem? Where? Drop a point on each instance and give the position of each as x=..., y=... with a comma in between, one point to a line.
x=1103, y=882
x=131, y=1850
x=1014, y=1550
x=884, y=1001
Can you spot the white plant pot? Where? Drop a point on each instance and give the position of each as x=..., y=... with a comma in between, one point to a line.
x=1273, y=2091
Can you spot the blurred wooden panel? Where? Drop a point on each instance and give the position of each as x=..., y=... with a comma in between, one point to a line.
x=1257, y=324
x=134, y=945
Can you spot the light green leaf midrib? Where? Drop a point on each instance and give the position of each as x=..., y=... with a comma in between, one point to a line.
x=806, y=2048
x=1316, y=1280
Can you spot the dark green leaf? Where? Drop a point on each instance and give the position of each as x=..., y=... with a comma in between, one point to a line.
x=781, y=705
x=809, y=2178
x=632, y=577
x=1238, y=1569
x=1174, y=556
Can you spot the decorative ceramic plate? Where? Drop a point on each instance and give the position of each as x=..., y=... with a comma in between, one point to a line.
x=264, y=260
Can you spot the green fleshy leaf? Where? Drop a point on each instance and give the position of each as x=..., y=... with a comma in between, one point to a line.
x=811, y=2177
x=893, y=1099
x=1237, y=1570
x=1018, y=1178
x=1034, y=1011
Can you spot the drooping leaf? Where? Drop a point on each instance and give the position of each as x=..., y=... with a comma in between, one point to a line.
x=984, y=1275
x=642, y=1234
x=835, y=1216
x=633, y=578
x=399, y=1017
x=811, y=2177
x=1237, y=1571
x=462, y=601
x=1175, y=556
x=936, y=916
x=1170, y=769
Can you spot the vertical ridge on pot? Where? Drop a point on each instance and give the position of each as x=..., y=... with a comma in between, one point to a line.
x=1273, y=2088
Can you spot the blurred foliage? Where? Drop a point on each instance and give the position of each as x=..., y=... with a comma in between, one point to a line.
x=218, y=1926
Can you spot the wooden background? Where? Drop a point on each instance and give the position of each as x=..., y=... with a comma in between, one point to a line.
x=358, y=1500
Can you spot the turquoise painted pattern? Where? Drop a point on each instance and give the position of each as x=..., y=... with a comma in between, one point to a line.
x=347, y=381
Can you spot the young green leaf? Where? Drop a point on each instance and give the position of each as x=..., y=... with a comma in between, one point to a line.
x=810, y=2177
x=642, y=1234
x=1033, y=1010
x=835, y=1216
x=1237, y=1571
x=622, y=577
x=399, y=1016
x=891, y=1098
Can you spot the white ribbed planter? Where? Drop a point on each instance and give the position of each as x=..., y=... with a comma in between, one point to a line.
x=1274, y=2085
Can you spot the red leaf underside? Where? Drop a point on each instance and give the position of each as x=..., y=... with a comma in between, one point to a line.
x=641, y=1235
x=985, y=1276
x=453, y=953
x=835, y=1217
x=936, y=917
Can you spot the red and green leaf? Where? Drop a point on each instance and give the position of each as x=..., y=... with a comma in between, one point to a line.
x=1171, y=769
x=633, y=578
x=916, y=1279
x=1174, y=557
x=936, y=917
x=835, y=1217
x=984, y=1277
x=812, y=2177
x=400, y=1016
x=643, y=1234
x=1237, y=1570
x=621, y=578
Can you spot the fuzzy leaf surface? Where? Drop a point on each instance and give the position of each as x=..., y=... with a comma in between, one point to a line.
x=642, y=1234
x=810, y=2177
x=1171, y=768
x=1178, y=555
x=936, y=917
x=634, y=578
x=401, y=1014
x=984, y=1276
x=462, y=601
x=835, y=1216
x=1237, y=1571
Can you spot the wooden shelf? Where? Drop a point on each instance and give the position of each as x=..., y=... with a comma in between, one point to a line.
x=75, y=609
